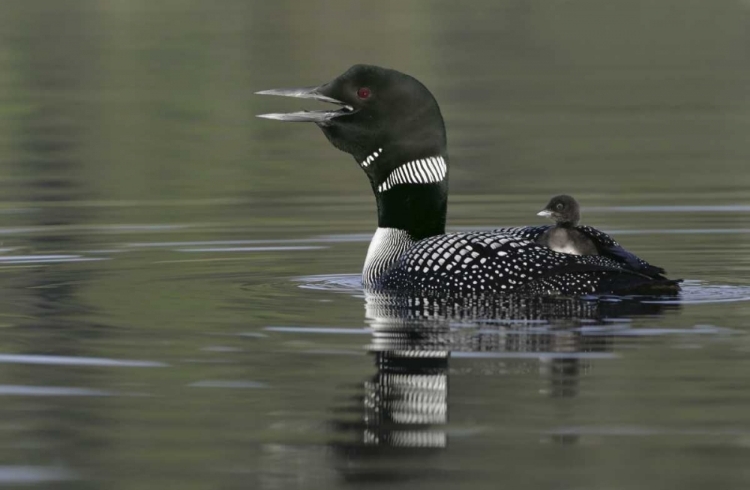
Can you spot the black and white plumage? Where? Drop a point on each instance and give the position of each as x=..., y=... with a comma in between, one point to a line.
x=392, y=126
x=387, y=246
x=498, y=261
x=422, y=171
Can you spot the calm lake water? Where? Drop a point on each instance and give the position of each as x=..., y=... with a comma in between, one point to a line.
x=181, y=304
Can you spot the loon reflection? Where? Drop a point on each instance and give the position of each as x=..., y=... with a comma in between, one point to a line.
x=405, y=405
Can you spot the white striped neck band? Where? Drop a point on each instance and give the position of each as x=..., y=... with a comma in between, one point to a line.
x=371, y=158
x=422, y=171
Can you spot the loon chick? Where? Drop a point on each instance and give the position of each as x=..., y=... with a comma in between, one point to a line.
x=567, y=237
x=391, y=124
x=564, y=237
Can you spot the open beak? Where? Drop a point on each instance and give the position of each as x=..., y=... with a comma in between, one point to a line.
x=306, y=116
x=546, y=213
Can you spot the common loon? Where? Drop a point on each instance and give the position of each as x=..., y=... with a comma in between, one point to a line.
x=391, y=124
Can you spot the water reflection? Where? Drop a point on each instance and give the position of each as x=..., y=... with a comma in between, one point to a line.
x=405, y=405
x=45, y=292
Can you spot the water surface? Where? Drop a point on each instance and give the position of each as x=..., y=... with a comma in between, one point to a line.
x=181, y=303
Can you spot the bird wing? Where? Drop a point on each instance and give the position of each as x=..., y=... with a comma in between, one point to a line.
x=608, y=247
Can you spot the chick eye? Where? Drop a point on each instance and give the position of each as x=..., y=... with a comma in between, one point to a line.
x=559, y=206
x=363, y=93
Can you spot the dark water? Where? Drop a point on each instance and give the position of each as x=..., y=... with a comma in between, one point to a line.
x=181, y=305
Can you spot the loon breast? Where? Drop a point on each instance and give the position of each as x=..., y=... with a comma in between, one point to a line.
x=386, y=248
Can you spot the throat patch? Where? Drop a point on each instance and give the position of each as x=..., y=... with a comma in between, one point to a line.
x=367, y=161
x=422, y=171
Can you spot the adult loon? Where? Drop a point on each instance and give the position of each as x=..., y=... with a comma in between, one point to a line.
x=392, y=126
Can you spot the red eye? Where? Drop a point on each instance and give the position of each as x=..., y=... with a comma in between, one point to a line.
x=363, y=93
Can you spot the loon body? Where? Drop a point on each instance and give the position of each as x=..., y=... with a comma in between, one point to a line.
x=392, y=126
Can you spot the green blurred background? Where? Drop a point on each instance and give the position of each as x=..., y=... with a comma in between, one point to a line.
x=154, y=100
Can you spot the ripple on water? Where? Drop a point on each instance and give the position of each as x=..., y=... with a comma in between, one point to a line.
x=41, y=359
x=340, y=283
x=699, y=292
x=228, y=384
x=22, y=390
x=46, y=259
x=25, y=475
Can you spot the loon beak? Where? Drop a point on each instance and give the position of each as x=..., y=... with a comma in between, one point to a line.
x=306, y=116
x=545, y=213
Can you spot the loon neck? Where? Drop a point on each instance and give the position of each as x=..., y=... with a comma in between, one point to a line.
x=567, y=224
x=411, y=193
x=418, y=209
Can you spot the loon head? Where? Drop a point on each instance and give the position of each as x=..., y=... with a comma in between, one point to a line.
x=388, y=121
x=563, y=210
